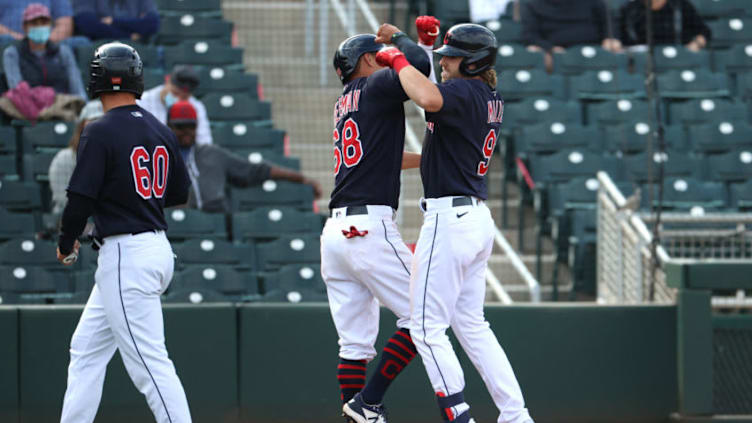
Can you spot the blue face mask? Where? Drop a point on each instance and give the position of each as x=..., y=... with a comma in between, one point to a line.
x=40, y=34
x=170, y=100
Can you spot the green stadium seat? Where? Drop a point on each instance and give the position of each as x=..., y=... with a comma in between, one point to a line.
x=516, y=56
x=744, y=86
x=568, y=164
x=295, y=283
x=606, y=85
x=451, y=12
x=676, y=164
x=28, y=251
x=218, y=79
x=271, y=192
x=16, y=225
x=194, y=296
x=728, y=31
x=215, y=251
x=189, y=6
x=256, y=155
x=235, y=106
x=519, y=84
x=706, y=110
x=83, y=281
x=693, y=84
x=153, y=77
x=188, y=223
x=689, y=194
x=668, y=58
x=174, y=29
x=616, y=112
x=720, y=8
x=732, y=167
x=506, y=31
x=721, y=137
x=206, y=53
x=577, y=60
x=272, y=222
x=290, y=249
x=245, y=136
x=737, y=59
x=7, y=140
x=741, y=196
x=225, y=280
x=36, y=167
x=548, y=138
x=46, y=136
x=8, y=168
x=582, y=252
x=634, y=137
x=30, y=279
x=20, y=196
x=540, y=110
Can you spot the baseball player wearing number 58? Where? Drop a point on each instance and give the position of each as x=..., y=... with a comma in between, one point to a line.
x=463, y=116
x=129, y=168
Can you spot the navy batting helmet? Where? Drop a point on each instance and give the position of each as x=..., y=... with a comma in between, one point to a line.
x=476, y=43
x=116, y=67
x=349, y=51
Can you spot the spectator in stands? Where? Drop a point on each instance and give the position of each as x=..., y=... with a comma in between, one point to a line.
x=62, y=165
x=116, y=19
x=554, y=25
x=211, y=167
x=482, y=11
x=11, y=25
x=38, y=60
x=674, y=22
x=178, y=86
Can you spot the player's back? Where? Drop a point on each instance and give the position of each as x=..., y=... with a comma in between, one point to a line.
x=460, y=139
x=369, y=138
x=130, y=164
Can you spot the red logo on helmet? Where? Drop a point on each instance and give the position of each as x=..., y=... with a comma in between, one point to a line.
x=447, y=36
x=116, y=80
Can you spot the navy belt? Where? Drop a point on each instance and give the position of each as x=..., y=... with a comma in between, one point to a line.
x=456, y=202
x=353, y=210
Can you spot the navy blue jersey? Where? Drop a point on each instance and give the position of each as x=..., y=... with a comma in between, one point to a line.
x=460, y=139
x=369, y=138
x=129, y=163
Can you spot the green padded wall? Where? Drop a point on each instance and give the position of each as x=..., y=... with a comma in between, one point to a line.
x=201, y=340
x=575, y=363
x=9, y=364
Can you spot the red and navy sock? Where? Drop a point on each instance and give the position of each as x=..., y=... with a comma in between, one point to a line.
x=351, y=375
x=397, y=354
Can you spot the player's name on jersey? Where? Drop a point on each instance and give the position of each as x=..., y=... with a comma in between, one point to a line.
x=345, y=104
x=495, y=111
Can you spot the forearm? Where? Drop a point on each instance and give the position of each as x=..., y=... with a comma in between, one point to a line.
x=63, y=29
x=5, y=30
x=76, y=212
x=285, y=174
x=429, y=52
x=420, y=89
x=414, y=54
x=410, y=160
x=11, y=67
x=88, y=24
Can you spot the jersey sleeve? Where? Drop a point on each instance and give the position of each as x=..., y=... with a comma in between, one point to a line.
x=454, y=93
x=385, y=83
x=93, y=155
x=178, y=181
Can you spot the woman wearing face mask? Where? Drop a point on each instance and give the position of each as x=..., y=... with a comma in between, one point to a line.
x=38, y=61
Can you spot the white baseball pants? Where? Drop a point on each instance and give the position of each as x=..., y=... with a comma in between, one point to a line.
x=360, y=273
x=124, y=313
x=448, y=289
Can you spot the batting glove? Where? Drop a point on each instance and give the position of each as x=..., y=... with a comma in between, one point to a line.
x=428, y=29
x=392, y=57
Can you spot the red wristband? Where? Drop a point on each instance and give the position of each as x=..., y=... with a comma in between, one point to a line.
x=399, y=63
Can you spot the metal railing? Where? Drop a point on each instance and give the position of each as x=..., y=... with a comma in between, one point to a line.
x=413, y=144
x=625, y=263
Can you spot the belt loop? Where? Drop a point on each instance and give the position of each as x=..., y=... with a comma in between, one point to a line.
x=422, y=204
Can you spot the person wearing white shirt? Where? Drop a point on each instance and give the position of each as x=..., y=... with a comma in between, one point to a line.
x=179, y=85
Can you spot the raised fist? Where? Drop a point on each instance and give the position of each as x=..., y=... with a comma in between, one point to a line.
x=428, y=29
x=387, y=56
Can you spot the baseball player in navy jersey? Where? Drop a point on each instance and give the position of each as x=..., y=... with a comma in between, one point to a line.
x=364, y=261
x=463, y=116
x=128, y=169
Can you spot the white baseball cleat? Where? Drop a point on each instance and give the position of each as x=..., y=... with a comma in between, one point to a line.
x=360, y=412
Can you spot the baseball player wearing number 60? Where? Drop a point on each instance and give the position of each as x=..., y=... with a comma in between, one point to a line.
x=463, y=116
x=128, y=169
x=364, y=261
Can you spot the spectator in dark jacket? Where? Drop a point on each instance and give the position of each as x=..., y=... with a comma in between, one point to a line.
x=116, y=19
x=211, y=167
x=674, y=22
x=554, y=25
x=37, y=60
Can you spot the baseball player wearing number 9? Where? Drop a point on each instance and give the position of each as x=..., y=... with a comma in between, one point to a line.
x=364, y=261
x=463, y=116
x=128, y=169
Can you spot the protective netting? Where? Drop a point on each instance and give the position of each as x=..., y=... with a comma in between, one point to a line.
x=732, y=371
